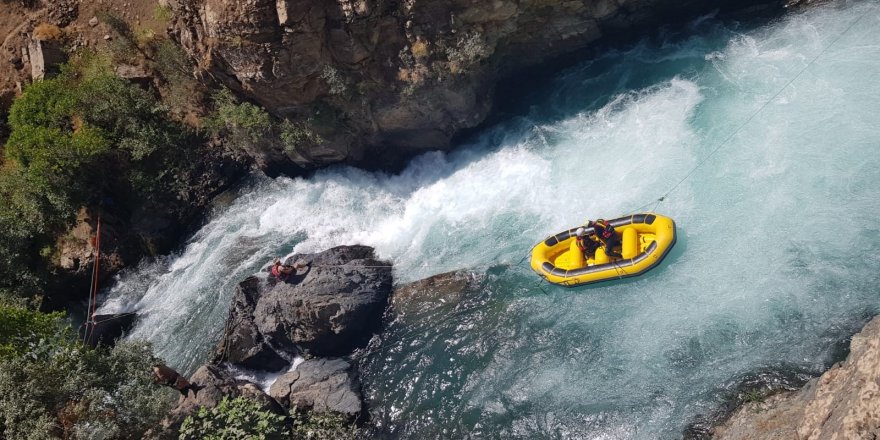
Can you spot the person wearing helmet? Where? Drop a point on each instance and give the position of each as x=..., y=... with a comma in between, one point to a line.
x=586, y=245
x=605, y=236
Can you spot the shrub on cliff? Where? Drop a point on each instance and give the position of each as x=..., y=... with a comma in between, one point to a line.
x=236, y=418
x=241, y=125
x=52, y=387
x=27, y=215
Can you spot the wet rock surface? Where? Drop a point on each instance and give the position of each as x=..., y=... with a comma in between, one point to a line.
x=328, y=309
x=844, y=403
x=320, y=385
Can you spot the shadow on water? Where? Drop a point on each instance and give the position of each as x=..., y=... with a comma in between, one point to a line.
x=618, y=63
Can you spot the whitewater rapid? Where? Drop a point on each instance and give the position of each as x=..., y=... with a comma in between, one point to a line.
x=768, y=136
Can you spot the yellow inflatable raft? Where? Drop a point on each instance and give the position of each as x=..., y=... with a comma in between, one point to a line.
x=645, y=241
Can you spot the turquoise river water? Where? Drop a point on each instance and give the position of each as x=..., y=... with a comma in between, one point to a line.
x=776, y=127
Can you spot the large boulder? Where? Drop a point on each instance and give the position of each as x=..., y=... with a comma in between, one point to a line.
x=329, y=309
x=336, y=306
x=320, y=385
x=242, y=342
x=107, y=328
x=844, y=403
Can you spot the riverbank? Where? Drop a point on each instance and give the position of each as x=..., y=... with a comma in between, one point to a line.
x=842, y=403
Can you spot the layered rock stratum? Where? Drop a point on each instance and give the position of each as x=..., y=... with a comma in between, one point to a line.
x=372, y=82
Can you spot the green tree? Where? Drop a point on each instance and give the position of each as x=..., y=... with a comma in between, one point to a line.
x=77, y=138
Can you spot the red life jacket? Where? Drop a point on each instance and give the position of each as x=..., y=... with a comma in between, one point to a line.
x=275, y=270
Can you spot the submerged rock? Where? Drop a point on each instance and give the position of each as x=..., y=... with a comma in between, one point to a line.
x=410, y=300
x=331, y=308
x=321, y=385
x=844, y=403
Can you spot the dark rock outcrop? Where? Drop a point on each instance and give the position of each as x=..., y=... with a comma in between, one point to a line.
x=320, y=385
x=331, y=308
x=107, y=329
x=374, y=81
x=443, y=290
x=242, y=342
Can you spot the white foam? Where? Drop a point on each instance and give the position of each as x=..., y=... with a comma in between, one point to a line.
x=770, y=227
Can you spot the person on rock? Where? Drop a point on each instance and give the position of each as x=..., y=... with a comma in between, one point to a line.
x=165, y=375
x=283, y=271
x=605, y=236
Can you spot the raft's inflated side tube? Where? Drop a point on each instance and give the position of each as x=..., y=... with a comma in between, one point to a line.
x=652, y=237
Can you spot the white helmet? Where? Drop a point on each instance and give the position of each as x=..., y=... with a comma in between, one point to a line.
x=580, y=232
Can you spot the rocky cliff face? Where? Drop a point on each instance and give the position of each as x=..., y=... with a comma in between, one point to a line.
x=844, y=403
x=375, y=81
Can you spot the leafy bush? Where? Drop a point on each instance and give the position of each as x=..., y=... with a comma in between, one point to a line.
x=311, y=426
x=123, y=48
x=242, y=418
x=22, y=329
x=240, y=124
x=163, y=14
x=51, y=387
x=295, y=136
x=232, y=419
x=334, y=80
x=27, y=215
x=74, y=139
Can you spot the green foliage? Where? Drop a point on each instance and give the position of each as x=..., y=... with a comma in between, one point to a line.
x=182, y=91
x=75, y=138
x=162, y=14
x=51, y=387
x=22, y=329
x=295, y=136
x=233, y=419
x=753, y=396
x=124, y=47
x=312, y=426
x=240, y=124
x=27, y=215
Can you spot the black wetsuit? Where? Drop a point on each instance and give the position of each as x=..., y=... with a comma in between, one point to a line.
x=609, y=239
x=587, y=245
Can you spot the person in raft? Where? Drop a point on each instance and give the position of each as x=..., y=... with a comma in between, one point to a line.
x=585, y=244
x=605, y=236
x=282, y=271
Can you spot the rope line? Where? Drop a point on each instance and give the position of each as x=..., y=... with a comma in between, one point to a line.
x=749, y=119
x=93, y=289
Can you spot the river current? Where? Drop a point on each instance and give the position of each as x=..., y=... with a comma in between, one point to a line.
x=767, y=135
